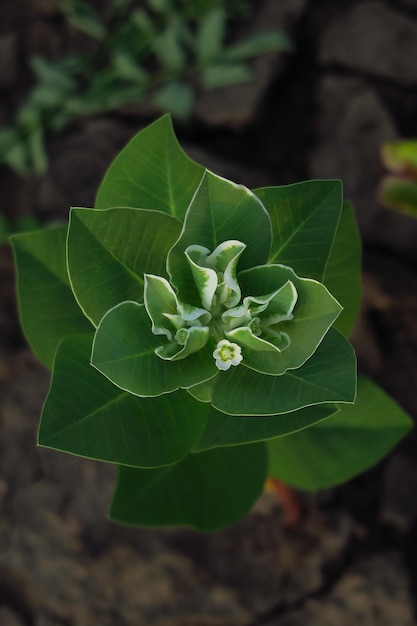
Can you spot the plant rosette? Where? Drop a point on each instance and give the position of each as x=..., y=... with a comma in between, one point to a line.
x=197, y=336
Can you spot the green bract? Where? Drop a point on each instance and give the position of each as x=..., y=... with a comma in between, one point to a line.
x=196, y=331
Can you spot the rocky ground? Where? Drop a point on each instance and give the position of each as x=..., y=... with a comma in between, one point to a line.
x=321, y=112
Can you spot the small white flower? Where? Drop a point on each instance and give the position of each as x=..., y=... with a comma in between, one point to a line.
x=227, y=354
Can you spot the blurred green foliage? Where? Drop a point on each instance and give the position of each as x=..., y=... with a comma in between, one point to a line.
x=159, y=51
x=398, y=189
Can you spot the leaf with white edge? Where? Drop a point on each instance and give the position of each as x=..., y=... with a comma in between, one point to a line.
x=206, y=491
x=348, y=443
x=202, y=391
x=329, y=376
x=161, y=305
x=188, y=341
x=220, y=211
x=87, y=415
x=314, y=312
x=151, y=172
x=205, y=278
x=124, y=351
x=304, y=219
x=166, y=312
x=110, y=251
x=343, y=273
x=48, y=309
x=231, y=430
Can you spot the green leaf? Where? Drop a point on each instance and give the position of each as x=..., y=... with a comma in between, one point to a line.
x=48, y=310
x=151, y=172
x=230, y=430
x=110, y=251
x=87, y=415
x=400, y=156
x=168, y=48
x=342, y=275
x=328, y=376
x=259, y=43
x=220, y=211
x=399, y=194
x=177, y=98
x=314, y=313
x=304, y=220
x=83, y=17
x=338, y=448
x=210, y=35
x=206, y=491
x=216, y=76
x=124, y=351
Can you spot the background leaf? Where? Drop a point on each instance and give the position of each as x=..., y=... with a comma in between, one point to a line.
x=206, y=491
x=177, y=98
x=304, y=219
x=231, y=430
x=109, y=251
x=338, y=448
x=151, y=172
x=328, y=376
x=48, y=309
x=216, y=76
x=259, y=43
x=124, y=351
x=343, y=273
x=210, y=35
x=87, y=415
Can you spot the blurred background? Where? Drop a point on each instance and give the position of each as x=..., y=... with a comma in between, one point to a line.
x=265, y=93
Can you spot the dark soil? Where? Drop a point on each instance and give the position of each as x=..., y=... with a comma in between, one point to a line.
x=321, y=112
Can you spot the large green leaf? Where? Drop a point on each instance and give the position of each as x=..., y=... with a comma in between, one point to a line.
x=152, y=172
x=304, y=220
x=109, y=251
x=87, y=415
x=338, y=448
x=206, y=491
x=48, y=310
x=328, y=376
x=314, y=313
x=220, y=211
x=124, y=351
x=342, y=275
x=230, y=430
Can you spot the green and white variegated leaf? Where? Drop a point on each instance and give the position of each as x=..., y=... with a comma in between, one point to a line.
x=220, y=211
x=169, y=318
x=304, y=219
x=307, y=321
x=231, y=430
x=124, y=351
x=108, y=253
x=85, y=414
x=328, y=376
x=151, y=172
x=216, y=270
x=343, y=272
x=272, y=309
x=205, y=278
x=337, y=449
x=188, y=341
x=206, y=491
x=48, y=309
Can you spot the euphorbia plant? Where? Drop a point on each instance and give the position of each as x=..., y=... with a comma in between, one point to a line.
x=196, y=331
